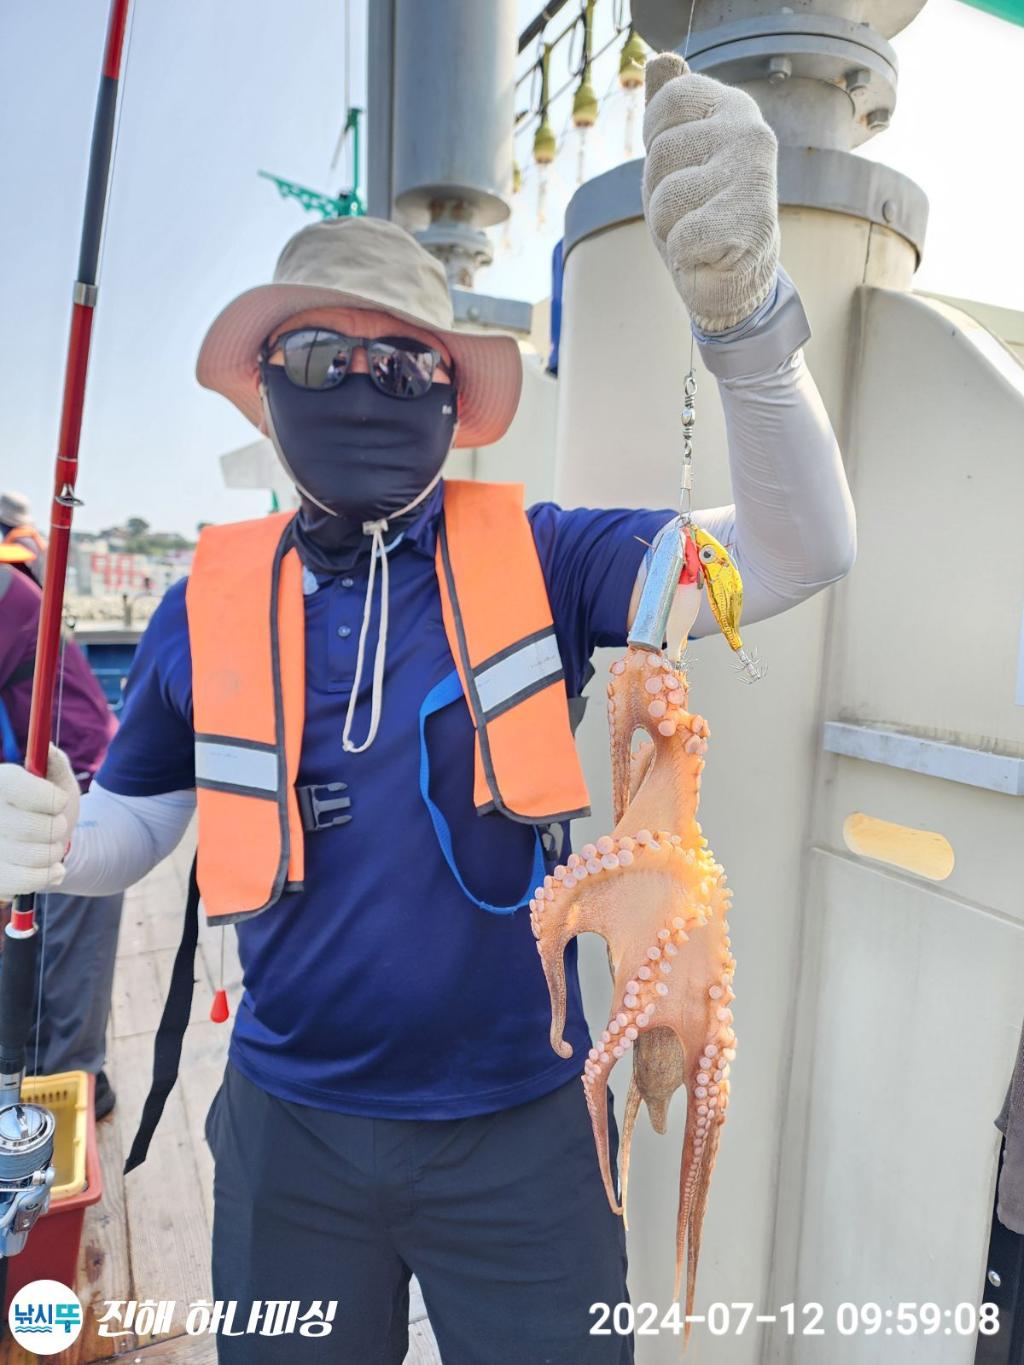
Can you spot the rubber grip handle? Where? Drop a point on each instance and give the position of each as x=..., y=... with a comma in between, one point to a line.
x=17, y=998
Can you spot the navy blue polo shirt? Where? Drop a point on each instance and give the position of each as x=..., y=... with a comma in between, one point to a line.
x=381, y=988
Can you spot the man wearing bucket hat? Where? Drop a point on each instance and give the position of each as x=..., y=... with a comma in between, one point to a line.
x=391, y=1105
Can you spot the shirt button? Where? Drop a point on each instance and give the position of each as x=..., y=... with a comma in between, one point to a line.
x=347, y=582
x=344, y=631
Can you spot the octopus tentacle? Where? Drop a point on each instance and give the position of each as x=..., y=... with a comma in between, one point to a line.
x=554, y=971
x=632, y=1109
x=653, y=890
x=597, y=1106
x=709, y=1094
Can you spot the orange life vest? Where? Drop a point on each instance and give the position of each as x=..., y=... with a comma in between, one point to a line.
x=37, y=544
x=28, y=539
x=247, y=635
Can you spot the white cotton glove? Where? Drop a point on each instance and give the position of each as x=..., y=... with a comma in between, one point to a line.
x=37, y=816
x=709, y=192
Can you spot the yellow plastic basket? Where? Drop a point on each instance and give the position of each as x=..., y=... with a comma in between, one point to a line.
x=66, y=1095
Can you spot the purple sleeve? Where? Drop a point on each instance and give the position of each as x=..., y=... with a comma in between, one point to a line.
x=82, y=723
x=590, y=558
x=19, y=619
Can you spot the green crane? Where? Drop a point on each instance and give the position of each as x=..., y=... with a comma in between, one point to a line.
x=1011, y=10
x=347, y=203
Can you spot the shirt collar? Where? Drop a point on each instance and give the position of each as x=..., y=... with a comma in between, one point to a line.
x=422, y=534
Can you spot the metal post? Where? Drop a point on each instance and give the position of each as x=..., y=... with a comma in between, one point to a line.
x=380, y=87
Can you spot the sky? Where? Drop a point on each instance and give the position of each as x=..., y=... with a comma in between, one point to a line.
x=215, y=92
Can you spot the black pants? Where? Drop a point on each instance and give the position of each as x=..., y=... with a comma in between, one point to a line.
x=502, y=1217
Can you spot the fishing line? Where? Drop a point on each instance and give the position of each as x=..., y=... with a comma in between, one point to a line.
x=348, y=55
x=690, y=383
x=689, y=29
x=342, y=136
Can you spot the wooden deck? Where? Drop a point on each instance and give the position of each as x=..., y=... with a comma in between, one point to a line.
x=149, y=1236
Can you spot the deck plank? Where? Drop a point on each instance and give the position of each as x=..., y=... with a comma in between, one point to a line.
x=139, y=997
x=210, y=950
x=168, y=1226
x=422, y=1346
x=202, y=1066
x=417, y=1308
x=11, y=1354
x=179, y=1350
x=104, y=1268
x=152, y=909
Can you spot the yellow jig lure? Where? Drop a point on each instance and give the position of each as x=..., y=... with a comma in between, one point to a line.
x=724, y=588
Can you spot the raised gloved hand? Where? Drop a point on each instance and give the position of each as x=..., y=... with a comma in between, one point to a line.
x=37, y=816
x=709, y=192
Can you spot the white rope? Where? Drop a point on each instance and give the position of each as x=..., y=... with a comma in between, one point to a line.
x=375, y=529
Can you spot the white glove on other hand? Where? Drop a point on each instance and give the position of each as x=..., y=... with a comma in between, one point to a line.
x=37, y=816
x=709, y=192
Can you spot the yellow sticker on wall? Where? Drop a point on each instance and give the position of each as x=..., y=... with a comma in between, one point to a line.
x=921, y=851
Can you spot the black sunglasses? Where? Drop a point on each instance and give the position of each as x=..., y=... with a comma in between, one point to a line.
x=315, y=358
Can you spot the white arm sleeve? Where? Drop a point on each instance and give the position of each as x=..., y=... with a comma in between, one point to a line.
x=118, y=839
x=792, y=529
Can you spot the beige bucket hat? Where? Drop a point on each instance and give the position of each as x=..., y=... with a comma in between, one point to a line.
x=363, y=263
x=15, y=509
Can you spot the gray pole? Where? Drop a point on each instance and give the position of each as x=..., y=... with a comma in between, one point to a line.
x=822, y=71
x=380, y=88
x=441, y=87
x=824, y=75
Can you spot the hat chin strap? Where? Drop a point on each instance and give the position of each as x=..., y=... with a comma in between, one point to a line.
x=375, y=529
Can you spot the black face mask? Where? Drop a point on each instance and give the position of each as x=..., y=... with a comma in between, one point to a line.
x=354, y=453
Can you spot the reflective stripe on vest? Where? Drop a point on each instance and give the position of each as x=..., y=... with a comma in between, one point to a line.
x=228, y=765
x=519, y=671
x=498, y=621
x=246, y=619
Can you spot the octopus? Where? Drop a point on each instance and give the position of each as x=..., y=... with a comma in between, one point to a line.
x=654, y=892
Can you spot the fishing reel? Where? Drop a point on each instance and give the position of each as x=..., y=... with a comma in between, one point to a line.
x=26, y=1167
x=26, y=1130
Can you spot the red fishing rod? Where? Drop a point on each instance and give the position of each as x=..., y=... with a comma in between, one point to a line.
x=26, y=1143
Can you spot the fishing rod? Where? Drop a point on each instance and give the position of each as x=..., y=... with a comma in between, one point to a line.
x=27, y=1130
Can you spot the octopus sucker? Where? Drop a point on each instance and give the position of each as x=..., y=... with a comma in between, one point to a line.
x=655, y=893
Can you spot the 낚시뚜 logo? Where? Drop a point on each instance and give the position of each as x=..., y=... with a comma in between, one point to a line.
x=45, y=1317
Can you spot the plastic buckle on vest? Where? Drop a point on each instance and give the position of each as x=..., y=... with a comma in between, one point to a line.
x=318, y=813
